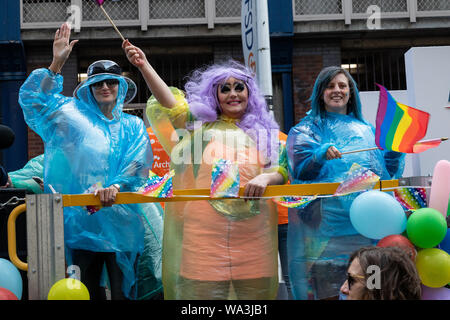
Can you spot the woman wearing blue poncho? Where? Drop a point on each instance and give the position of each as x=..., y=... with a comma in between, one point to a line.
x=89, y=140
x=321, y=236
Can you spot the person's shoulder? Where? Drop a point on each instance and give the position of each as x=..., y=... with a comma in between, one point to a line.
x=304, y=124
x=131, y=120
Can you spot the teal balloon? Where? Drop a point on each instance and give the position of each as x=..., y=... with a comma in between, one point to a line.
x=426, y=227
x=375, y=215
x=10, y=278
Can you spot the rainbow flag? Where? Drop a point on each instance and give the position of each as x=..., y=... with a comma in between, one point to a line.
x=398, y=126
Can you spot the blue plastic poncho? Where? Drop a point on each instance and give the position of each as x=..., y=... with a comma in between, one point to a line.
x=321, y=236
x=23, y=178
x=83, y=147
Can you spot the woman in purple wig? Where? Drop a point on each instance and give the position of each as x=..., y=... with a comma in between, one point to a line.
x=217, y=249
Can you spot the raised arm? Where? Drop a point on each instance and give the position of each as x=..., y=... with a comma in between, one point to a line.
x=154, y=82
x=40, y=95
x=61, y=48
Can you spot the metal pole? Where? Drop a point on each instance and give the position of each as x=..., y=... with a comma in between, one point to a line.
x=264, y=67
x=45, y=243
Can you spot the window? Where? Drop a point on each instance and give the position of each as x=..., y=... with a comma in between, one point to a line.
x=385, y=67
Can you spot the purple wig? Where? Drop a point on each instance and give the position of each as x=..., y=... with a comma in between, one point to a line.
x=201, y=94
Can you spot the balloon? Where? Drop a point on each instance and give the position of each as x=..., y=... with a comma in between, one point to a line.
x=375, y=215
x=396, y=240
x=435, y=293
x=68, y=289
x=426, y=227
x=433, y=266
x=10, y=278
x=445, y=244
x=440, y=187
x=5, y=294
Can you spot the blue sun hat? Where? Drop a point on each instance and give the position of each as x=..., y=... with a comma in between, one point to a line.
x=99, y=69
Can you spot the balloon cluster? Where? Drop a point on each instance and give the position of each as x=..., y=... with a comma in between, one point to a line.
x=424, y=234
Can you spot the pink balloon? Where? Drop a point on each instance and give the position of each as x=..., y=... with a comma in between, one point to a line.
x=440, y=187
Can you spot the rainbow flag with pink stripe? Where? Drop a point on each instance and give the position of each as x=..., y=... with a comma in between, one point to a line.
x=398, y=126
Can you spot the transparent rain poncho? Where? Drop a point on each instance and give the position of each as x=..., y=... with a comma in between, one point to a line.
x=82, y=148
x=218, y=249
x=321, y=236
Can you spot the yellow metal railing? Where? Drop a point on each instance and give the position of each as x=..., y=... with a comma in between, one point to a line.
x=70, y=200
x=12, y=247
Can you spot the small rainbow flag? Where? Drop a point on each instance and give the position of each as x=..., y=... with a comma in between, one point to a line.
x=411, y=198
x=294, y=202
x=225, y=179
x=357, y=179
x=159, y=187
x=398, y=126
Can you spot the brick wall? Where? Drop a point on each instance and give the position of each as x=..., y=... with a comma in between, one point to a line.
x=226, y=51
x=307, y=61
x=41, y=57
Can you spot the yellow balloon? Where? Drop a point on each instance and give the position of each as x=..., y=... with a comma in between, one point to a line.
x=68, y=289
x=433, y=266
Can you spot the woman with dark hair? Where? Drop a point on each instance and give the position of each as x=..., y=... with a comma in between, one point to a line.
x=377, y=273
x=225, y=248
x=321, y=236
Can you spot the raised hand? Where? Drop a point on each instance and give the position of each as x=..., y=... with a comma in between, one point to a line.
x=61, y=47
x=135, y=55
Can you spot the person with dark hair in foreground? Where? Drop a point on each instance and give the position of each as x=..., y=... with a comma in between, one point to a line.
x=377, y=273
